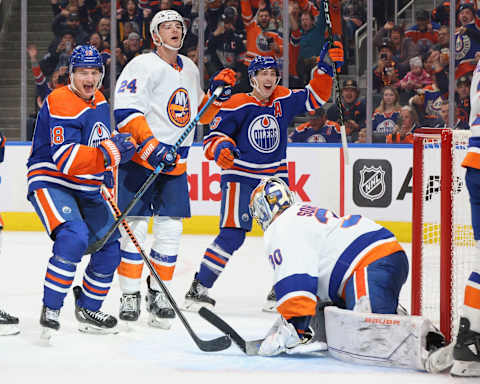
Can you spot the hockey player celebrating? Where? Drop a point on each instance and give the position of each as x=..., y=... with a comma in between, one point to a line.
x=157, y=95
x=8, y=323
x=253, y=128
x=350, y=261
x=73, y=153
x=466, y=353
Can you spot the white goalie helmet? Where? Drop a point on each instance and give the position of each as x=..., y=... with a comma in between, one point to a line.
x=162, y=17
x=270, y=197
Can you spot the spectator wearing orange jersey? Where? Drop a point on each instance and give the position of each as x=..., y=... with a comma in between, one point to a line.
x=423, y=29
x=407, y=123
x=260, y=40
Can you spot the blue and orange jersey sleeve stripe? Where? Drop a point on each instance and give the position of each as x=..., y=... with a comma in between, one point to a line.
x=79, y=159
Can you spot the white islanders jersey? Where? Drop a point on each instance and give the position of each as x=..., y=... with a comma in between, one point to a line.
x=168, y=98
x=313, y=253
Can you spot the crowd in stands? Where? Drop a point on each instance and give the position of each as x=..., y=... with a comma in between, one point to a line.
x=410, y=73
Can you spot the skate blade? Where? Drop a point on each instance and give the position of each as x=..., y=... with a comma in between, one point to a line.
x=194, y=306
x=91, y=329
x=157, y=322
x=270, y=306
x=465, y=368
x=9, y=329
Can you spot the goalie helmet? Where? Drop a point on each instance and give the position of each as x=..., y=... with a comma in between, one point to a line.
x=86, y=56
x=270, y=197
x=162, y=17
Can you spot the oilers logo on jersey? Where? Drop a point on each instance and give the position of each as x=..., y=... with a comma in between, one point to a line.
x=99, y=133
x=264, y=134
x=178, y=108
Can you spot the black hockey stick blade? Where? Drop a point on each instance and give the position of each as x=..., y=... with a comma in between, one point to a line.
x=248, y=347
x=219, y=344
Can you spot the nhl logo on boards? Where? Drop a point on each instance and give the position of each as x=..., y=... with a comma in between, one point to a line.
x=264, y=134
x=372, y=183
x=98, y=133
x=178, y=108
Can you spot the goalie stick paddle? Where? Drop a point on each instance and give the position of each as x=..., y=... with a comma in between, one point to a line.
x=94, y=247
x=250, y=348
x=338, y=100
x=215, y=345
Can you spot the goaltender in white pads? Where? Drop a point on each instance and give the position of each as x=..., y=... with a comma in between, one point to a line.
x=352, y=262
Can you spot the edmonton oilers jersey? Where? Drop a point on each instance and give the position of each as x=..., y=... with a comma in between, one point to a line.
x=259, y=131
x=384, y=122
x=67, y=132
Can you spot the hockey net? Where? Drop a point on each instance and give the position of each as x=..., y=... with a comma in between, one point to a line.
x=443, y=246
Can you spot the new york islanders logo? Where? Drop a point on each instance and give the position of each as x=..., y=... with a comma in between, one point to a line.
x=264, y=134
x=98, y=133
x=178, y=108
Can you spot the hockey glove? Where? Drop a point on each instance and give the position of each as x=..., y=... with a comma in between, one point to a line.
x=156, y=153
x=3, y=139
x=225, y=153
x=225, y=78
x=108, y=180
x=336, y=55
x=118, y=149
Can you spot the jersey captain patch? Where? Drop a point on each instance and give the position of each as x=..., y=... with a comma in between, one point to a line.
x=264, y=134
x=178, y=108
x=99, y=133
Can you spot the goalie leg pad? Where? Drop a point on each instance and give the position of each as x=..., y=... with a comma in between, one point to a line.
x=381, y=340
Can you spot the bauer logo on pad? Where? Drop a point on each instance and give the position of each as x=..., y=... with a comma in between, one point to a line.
x=372, y=183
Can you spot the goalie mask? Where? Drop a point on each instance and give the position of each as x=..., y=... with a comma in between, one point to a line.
x=86, y=56
x=162, y=17
x=272, y=196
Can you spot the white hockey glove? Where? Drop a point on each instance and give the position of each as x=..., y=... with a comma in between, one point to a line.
x=283, y=337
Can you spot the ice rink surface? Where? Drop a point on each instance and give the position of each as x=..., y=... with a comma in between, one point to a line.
x=140, y=353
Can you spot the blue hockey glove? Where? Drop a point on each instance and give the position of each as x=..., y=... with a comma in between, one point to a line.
x=118, y=149
x=108, y=180
x=226, y=78
x=156, y=153
x=336, y=55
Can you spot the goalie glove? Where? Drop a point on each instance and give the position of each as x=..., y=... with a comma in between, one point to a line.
x=283, y=337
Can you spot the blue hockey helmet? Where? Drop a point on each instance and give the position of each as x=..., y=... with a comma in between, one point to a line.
x=270, y=197
x=85, y=56
x=262, y=62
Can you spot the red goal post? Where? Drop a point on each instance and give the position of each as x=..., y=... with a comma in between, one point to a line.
x=442, y=237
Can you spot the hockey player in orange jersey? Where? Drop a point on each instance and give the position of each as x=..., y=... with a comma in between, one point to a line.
x=74, y=151
x=248, y=140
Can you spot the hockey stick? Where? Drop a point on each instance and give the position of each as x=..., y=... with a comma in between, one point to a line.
x=250, y=348
x=218, y=344
x=336, y=82
x=172, y=152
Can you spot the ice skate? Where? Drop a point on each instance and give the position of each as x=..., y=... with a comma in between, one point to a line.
x=197, y=297
x=160, y=311
x=8, y=324
x=271, y=303
x=49, y=322
x=130, y=306
x=96, y=322
x=466, y=353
